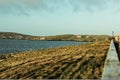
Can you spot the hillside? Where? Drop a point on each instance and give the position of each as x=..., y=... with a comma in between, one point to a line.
x=65, y=37
x=11, y=35
x=87, y=38
x=72, y=62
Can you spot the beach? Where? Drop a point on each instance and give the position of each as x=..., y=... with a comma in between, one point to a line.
x=71, y=62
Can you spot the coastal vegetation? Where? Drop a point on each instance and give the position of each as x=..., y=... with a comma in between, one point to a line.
x=72, y=62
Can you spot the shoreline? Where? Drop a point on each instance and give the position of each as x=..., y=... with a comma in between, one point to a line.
x=57, y=63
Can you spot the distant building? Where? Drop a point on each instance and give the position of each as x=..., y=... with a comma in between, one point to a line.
x=87, y=36
x=42, y=38
x=78, y=36
x=3, y=37
x=18, y=37
x=10, y=37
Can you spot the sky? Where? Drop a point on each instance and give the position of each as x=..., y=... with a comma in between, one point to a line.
x=55, y=17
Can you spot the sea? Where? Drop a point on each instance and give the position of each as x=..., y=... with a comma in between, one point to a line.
x=15, y=46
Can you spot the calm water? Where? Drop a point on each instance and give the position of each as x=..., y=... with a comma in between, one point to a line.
x=12, y=46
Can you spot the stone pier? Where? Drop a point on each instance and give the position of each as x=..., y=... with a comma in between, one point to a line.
x=112, y=65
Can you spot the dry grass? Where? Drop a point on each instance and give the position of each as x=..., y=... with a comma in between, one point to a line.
x=73, y=62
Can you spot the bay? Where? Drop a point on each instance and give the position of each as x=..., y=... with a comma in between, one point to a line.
x=13, y=46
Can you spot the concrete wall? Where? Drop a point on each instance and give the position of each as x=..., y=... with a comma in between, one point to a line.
x=112, y=64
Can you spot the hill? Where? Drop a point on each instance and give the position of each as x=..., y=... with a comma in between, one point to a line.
x=71, y=62
x=11, y=35
x=87, y=38
x=65, y=37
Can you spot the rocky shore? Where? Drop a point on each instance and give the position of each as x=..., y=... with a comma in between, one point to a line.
x=72, y=62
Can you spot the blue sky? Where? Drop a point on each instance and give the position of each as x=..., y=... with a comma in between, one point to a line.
x=54, y=17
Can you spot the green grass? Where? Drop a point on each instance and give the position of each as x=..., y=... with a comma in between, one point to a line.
x=72, y=62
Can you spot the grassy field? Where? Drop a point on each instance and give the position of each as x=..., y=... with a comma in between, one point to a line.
x=72, y=62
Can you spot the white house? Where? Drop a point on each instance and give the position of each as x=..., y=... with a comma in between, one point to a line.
x=42, y=38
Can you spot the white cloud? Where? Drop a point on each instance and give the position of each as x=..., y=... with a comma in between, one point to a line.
x=22, y=7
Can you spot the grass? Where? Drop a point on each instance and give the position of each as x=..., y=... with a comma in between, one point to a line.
x=72, y=62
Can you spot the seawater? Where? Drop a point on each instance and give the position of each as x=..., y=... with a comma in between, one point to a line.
x=13, y=46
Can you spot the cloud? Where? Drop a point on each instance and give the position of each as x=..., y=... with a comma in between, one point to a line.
x=24, y=7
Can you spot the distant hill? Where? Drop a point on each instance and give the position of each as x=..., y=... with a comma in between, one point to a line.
x=65, y=37
x=70, y=37
x=11, y=35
